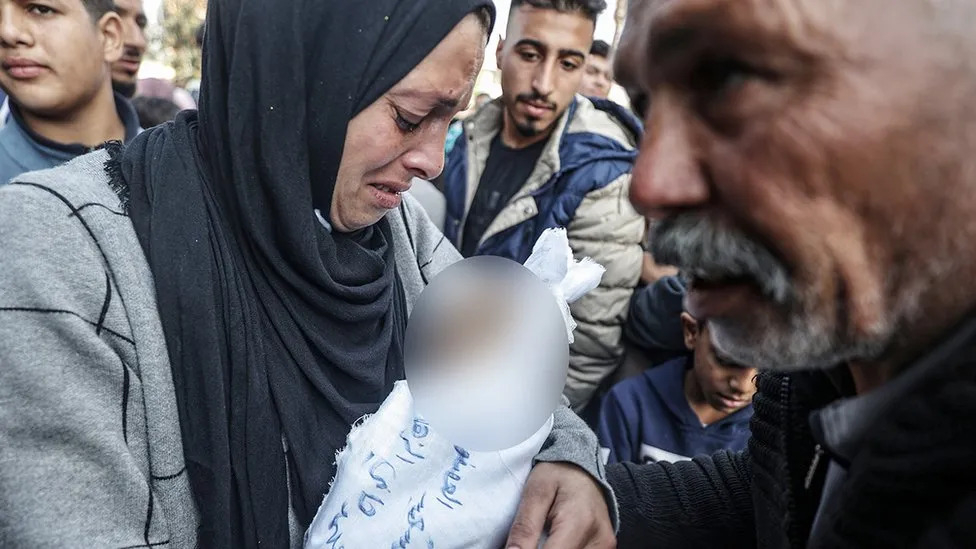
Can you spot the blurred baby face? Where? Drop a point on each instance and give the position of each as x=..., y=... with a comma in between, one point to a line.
x=486, y=353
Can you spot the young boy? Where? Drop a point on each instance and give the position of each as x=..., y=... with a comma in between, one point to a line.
x=697, y=404
x=55, y=65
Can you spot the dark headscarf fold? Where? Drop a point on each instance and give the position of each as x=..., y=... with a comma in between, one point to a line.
x=276, y=328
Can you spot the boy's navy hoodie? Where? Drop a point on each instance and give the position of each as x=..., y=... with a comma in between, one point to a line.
x=647, y=418
x=22, y=150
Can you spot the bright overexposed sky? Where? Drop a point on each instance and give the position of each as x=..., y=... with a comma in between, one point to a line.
x=152, y=10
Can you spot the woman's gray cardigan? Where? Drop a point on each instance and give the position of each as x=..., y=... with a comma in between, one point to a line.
x=90, y=447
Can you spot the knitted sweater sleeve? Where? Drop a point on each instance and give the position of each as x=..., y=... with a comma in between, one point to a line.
x=74, y=450
x=705, y=502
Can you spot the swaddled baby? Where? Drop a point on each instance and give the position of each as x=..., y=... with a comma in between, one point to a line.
x=443, y=461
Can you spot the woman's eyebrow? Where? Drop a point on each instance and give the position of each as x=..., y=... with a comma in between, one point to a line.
x=433, y=98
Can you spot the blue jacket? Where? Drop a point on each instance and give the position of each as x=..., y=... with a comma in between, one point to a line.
x=587, y=160
x=22, y=150
x=647, y=418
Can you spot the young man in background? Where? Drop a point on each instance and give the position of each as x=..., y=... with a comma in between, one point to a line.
x=542, y=156
x=598, y=73
x=55, y=66
x=125, y=71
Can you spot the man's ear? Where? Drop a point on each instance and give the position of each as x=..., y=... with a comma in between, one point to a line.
x=113, y=40
x=689, y=327
x=498, y=51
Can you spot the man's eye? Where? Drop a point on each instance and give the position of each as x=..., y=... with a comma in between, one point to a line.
x=529, y=56
x=39, y=9
x=723, y=75
x=406, y=125
x=570, y=65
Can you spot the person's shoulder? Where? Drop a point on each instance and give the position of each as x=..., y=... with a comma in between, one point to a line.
x=418, y=237
x=60, y=227
x=410, y=214
x=13, y=150
x=82, y=180
x=641, y=387
x=59, y=208
x=604, y=118
x=485, y=121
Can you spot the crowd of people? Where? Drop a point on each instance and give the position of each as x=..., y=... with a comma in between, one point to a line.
x=201, y=293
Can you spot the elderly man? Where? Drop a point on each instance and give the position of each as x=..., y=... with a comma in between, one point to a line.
x=810, y=166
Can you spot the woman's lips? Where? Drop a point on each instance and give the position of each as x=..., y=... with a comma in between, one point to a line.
x=387, y=196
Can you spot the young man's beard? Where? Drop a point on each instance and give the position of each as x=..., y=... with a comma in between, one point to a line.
x=527, y=129
x=127, y=89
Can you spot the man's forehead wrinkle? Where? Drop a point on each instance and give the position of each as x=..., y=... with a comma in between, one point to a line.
x=780, y=27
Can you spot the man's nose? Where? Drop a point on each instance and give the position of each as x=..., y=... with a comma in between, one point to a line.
x=667, y=173
x=734, y=383
x=12, y=30
x=136, y=38
x=542, y=83
x=742, y=381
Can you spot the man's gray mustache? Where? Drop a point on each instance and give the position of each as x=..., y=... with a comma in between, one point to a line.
x=702, y=249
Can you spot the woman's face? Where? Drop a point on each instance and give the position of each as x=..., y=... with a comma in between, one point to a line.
x=401, y=135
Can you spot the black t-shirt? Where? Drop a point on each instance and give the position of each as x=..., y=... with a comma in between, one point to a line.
x=506, y=170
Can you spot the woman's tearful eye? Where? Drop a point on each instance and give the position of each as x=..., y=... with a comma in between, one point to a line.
x=405, y=124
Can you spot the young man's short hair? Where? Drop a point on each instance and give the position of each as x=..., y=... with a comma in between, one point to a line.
x=600, y=49
x=97, y=8
x=590, y=8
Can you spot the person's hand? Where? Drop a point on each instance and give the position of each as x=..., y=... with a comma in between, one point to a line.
x=651, y=271
x=567, y=500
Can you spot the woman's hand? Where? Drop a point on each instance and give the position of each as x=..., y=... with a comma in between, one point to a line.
x=569, y=501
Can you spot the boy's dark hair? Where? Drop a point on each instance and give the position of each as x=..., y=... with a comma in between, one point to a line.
x=97, y=8
x=600, y=49
x=154, y=111
x=590, y=8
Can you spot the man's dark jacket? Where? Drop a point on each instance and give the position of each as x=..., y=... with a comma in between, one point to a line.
x=912, y=484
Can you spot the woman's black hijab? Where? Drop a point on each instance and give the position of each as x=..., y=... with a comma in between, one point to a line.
x=276, y=328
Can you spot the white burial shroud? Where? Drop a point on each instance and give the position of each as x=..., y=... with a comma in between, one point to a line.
x=399, y=484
